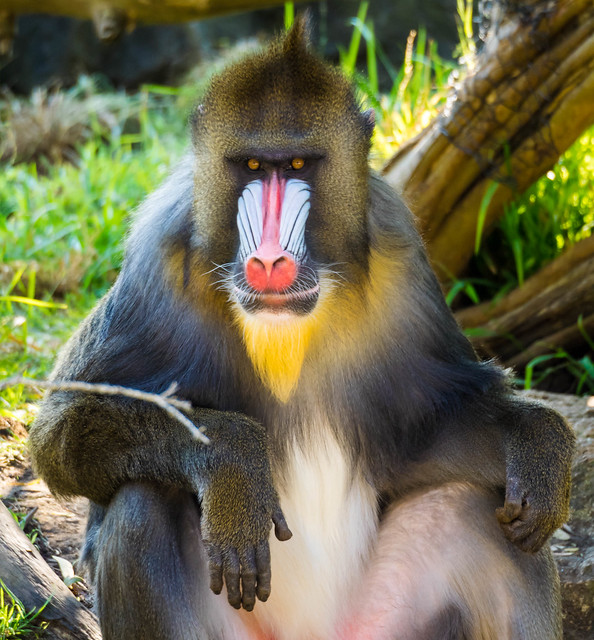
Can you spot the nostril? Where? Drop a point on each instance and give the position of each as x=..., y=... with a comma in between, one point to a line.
x=255, y=273
x=283, y=274
x=276, y=273
x=257, y=263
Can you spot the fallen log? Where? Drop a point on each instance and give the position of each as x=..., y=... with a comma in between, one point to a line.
x=528, y=99
x=26, y=574
x=112, y=17
x=552, y=311
x=482, y=313
x=545, y=323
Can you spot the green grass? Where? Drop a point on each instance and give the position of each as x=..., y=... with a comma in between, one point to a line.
x=72, y=218
x=23, y=520
x=418, y=88
x=580, y=370
x=554, y=213
x=62, y=228
x=15, y=621
x=29, y=339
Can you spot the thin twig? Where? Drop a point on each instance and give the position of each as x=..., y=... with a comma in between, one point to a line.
x=166, y=400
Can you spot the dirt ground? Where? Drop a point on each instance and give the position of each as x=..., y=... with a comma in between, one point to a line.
x=60, y=523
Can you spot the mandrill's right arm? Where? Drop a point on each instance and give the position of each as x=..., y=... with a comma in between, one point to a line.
x=91, y=445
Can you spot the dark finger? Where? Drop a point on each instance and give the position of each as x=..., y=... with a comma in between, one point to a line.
x=510, y=511
x=519, y=530
x=215, y=567
x=231, y=573
x=263, y=569
x=281, y=529
x=248, y=579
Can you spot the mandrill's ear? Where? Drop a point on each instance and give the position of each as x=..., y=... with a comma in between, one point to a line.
x=298, y=37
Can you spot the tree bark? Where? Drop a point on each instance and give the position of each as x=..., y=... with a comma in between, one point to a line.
x=544, y=322
x=112, y=17
x=27, y=575
x=507, y=123
x=147, y=11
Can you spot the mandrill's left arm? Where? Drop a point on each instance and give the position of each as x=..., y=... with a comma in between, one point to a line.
x=493, y=439
x=522, y=450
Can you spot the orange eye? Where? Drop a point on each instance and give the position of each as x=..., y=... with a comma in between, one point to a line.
x=297, y=163
x=253, y=164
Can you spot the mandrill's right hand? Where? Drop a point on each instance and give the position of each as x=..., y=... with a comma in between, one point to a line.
x=239, y=504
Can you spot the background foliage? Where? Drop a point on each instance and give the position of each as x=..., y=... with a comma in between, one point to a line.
x=78, y=162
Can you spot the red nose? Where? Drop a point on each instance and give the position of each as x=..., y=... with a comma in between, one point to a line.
x=272, y=272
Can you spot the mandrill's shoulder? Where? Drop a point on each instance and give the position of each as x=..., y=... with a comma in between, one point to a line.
x=390, y=221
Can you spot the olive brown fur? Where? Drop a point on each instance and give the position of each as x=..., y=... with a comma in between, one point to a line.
x=420, y=491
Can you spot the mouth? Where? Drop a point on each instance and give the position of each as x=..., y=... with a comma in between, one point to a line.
x=297, y=302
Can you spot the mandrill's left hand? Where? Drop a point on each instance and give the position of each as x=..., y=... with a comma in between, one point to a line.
x=539, y=452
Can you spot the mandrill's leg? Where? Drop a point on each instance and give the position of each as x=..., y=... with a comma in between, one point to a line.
x=150, y=570
x=443, y=570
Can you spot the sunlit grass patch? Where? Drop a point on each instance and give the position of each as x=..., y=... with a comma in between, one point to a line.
x=15, y=621
x=539, y=225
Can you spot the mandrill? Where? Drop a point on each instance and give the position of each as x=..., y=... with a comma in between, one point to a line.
x=283, y=286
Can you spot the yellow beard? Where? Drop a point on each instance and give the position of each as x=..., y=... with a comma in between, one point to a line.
x=277, y=349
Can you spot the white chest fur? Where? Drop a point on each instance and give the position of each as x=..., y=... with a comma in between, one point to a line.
x=333, y=517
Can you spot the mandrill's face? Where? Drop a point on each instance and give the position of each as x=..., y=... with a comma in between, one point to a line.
x=274, y=270
x=281, y=148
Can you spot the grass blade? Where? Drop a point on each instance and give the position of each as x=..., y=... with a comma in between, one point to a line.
x=349, y=59
x=33, y=302
x=289, y=15
x=482, y=214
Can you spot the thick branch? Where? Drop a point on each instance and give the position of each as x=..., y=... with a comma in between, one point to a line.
x=482, y=313
x=567, y=339
x=112, y=17
x=147, y=11
x=543, y=321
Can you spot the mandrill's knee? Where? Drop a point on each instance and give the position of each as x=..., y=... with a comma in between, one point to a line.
x=142, y=513
x=138, y=533
x=149, y=566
